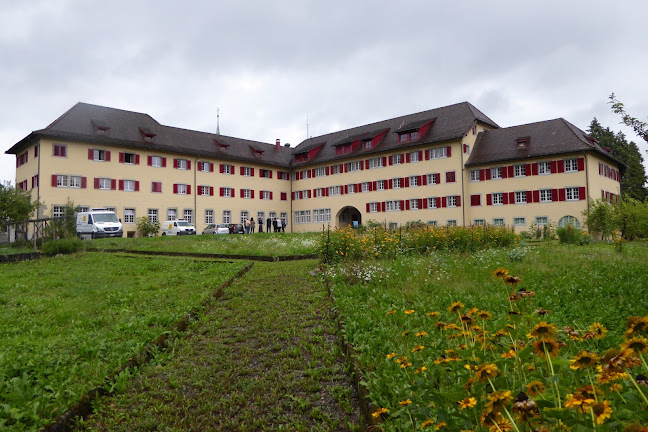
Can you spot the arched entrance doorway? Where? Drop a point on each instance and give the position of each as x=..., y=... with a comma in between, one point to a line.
x=349, y=216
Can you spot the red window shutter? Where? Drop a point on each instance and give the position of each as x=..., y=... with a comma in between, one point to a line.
x=384, y=161
x=121, y=185
x=562, y=194
x=96, y=183
x=149, y=160
x=200, y=166
x=55, y=182
x=391, y=160
x=270, y=171
x=241, y=170
x=366, y=163
x=489, y=199
x=536, y=196
x=505, y=198
x=423, y=180
x=232, y=192
x=444, y=202
x=136, y=185
x=402, y=204
x=327, y=170
x=424, y=203
x=345, y=189
x=405, y=181
x=420, y=155
x=511, y=172
x=581, y=164
x=407, y=204
x=175, y=163
x=561, y=166
x=420, y=203
x=137, y=159
x=427, y=154
x=107, y=155
x=438, y=178
x=90, y=154
x=554, y=167
x=221, y=168
x=600, y=168
x=407, y=158
x=511, y=197
x=420, y=180
x=358, y=187
x=373, y=186
x=292, y=196
x=175, y=188
x=211, y=166
x=251, y=172
x=163, y=162
x=188, y=164
x=188, y=189
x=504, y=172
x=529, y=195
x=367, y=208
x=270, y=194
x=449, y=151
x=458, y=201
x=284, y=196
x=527, y=169
x=113, y=184
x=199, y=191
x=554, y=194
x=382, y=206
x=222, y=191
x=487, y=173
x=465, y=146
x=581, y=193
x=121, y=157
x=534, y=168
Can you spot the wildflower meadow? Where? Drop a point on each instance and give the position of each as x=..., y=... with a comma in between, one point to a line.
x=511, y=338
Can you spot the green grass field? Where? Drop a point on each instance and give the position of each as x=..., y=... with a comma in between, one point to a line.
x=68, y=322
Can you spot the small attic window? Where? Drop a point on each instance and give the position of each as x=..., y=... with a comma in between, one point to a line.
x=221, y=146
x=147, y=134
x=257, y=152
x=100, y=127
x=522, y=143
x=367, y=144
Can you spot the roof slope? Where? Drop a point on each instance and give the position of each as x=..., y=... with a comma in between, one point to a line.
x=126, y=128
x=450, y=122
x=550, y=137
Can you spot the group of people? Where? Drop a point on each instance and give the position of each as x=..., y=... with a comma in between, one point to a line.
x=276, y=224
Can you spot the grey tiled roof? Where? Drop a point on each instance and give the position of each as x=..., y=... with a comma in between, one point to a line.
x=545, y=138
x=450, y=122
x=127, y=128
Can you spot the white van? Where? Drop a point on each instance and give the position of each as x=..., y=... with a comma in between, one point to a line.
x=98, y=223
x=178, y=227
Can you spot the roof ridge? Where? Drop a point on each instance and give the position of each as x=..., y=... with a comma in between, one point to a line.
x=62, y=115
x=571, y=128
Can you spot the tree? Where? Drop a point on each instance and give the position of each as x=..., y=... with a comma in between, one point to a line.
x=600, y=218
x=634, y=179
x=640, y=127
x=15, y=205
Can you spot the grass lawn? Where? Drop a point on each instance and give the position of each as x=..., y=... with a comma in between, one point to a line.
x=258, y=244
x=70, y=321
x=423, y=362
x=265, y=357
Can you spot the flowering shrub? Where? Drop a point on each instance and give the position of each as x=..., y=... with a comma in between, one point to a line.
x=506, y=369
x=381, y=243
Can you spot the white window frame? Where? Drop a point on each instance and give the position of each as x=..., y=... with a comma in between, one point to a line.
x=182, y=164
x=373, y=207
x=58, y=211
x=74, y=182
x=474, y=175
x=413, y=181
x=129, y=185
x=414, y=156
x=244, y=215
x=396, y=183
x=156, y=161
x=545, y=196
x=320, y=172
x=62, y=181
x=209, y=216
x=519, y=221
x=228, y=169
x=520, y=197
x=247, y=172
x=247, y=193
x=204, y=190
x=392, y=205
x=181, y=188
x=431, y=179
x=172, y=214
x=152, y=215
x=227, y=192
x=380, y=185
x=205, y=167
x=571, y=193
x=520, y=170
x=365, y=187
x=265, y=195
x=438, y=153
x=479, y=222
x=227, y=216
x=432, y=202
x=498, y=221
x=99, y=155
x=354, y=166
x=497, y=198
x=104, y=183
x=451, y=200
x=413, y=202
x=571, y=165
x=544, y=168
x=336, y=169
x=129, y=215
x=451, y=222
x=496, y=173
x=187, y=215
x=397, y=159
x=542, y=220
x=351, y=188
x=376, y=163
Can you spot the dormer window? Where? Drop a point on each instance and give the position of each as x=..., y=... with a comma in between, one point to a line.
x=221, y=146
x=101, y=127
x=301, y=157
x=256, y=151
x=522, y=143
x=366, y=145
x=147, y=134
x=408, y=136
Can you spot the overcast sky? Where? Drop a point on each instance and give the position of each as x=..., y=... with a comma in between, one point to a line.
x=269, y=64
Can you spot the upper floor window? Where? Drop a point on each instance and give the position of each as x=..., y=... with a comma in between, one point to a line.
x=334, y=190
x=380, y=184
x=520, y=170
x=336, y=169
x=520, y=197
x=571, y=165
x=59, y=150
x=413, y=181
x=182, y=164
x=439, y=152
x=397, y=159
x=206, y=166
x=450, y=177
x=373, y=207
x=181, y=189
x=351, y=188
x=414, y=204
x=498, y=198
x=394, y=205
x=414, y=157
x=130, y=158
x=366, y=186
x=396, y=183
x=452, y=201
x=104, y=183
x=571, y=193
x=408, y=136
x=496, y=173
x=544, y=168
x=354, y=166
x=100, y=155
x=129, y=185
x=156, y=161
x=375, y=163
x=545, y=195
x=265, y=173
x=320, y=172
x=246, y=171
x=226, y=169
x=246, y=193
x=434, y=178
x=266, y=195
x=432, y=202
x=474, y=175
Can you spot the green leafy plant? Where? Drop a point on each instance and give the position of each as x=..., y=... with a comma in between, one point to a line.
x=62, y=246
x=146, y=228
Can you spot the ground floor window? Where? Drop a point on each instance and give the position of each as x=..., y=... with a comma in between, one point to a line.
x=498, y=221
x=58, y=211
x=129, y=215
x=322, y=215
x=568, y=220
x=86, y=208
x=432, y=223
x=209, y=216
x=227, y=216
x=519, y=221
x=302, y=217
x=153, y=215
x=481, y=222
x=452, y=222
x=542, y=220
x=188, y=215
x=172, y=214
x=244, y=216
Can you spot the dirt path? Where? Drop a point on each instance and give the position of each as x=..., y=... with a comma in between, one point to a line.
x=266, y=357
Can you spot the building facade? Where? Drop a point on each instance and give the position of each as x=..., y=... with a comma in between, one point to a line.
x=446, y=166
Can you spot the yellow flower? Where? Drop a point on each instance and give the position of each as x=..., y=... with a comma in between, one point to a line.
x=535, y=388
x=427, y=423
x=417, y=348
x=421, y=369
x=379, y=412
x=579, y=402
x=405, y=365
x=584, y=359
x=546, y=346
x=498, y=400
x=455, y=307
x=440, y=425
x=484, y=315
x=500, y=273
x=602, y=411
x=401, y=359
x=391, y=355
x=419, y=334
x=432, y=314
x=405, y=402
x=542, y=330
x=467, y=403
x=598, y=330
x=409, y=311
x=486, y=372
x=391, y=312
x=636, y=344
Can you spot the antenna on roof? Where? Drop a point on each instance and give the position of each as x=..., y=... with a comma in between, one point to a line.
x=307, y=126
x=217, y=121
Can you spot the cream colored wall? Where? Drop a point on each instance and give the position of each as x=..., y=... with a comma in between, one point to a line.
x=77, y=163
x=598, y=183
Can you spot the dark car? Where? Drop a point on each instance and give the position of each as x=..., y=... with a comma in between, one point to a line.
x=236, y=229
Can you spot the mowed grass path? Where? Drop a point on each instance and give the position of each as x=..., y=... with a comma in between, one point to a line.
x=265, y=357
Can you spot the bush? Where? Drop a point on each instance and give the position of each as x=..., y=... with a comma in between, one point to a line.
x=570, y=235
x=147, y=228
x=62, y=246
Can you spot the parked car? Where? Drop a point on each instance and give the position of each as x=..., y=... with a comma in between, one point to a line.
x=236, y=229
x=178, y=227
x=216, y=229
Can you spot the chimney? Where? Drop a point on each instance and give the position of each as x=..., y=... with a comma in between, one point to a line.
x=278, y=147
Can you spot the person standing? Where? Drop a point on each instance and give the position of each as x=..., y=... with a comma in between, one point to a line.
x=283, y=225
x=247, y=226
x=252, y=225
x=268, y=224
x=275, y=225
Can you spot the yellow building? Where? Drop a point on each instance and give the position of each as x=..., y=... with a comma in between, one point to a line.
x=450, y=165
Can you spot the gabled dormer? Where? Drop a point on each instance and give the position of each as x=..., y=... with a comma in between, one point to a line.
x=221, y=146
x=257, y=152
x=349, y=143
x=100, y=127
x=414, y=131
x=309, y=153
x=147, y=133
x=373, y=139
x=522, y=142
